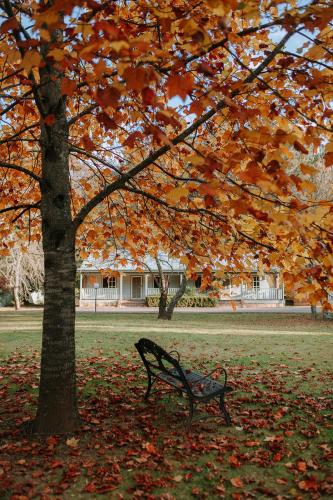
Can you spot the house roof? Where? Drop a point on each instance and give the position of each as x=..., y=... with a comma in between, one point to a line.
x=125, y=263
x=149, y=264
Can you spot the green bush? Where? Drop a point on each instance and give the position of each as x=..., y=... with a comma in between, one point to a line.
x=186, y=301
x=6, y=299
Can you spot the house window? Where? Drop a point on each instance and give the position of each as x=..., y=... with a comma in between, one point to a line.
x=109, y=282
x=256, y=282
x=156, y=281
x=198, y=282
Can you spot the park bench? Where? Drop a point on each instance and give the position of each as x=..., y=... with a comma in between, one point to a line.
x=165, y=366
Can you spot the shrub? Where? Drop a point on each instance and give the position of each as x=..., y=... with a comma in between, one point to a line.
x=186, y=301
x=6, y=299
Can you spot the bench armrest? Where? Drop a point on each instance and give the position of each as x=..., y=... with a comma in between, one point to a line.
x=210, y=374
x=176, y=353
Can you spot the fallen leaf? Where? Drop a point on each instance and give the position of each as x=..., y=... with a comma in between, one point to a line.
x=72, y=442
x=237, y=482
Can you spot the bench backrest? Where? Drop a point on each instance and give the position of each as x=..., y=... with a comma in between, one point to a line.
x=157, y=359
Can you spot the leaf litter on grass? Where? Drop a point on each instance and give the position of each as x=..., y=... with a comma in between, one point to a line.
x=279, y=445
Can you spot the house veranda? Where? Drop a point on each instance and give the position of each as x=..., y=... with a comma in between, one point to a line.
x=108, y=285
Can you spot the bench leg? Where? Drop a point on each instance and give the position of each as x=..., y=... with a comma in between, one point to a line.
x=191, y=411
x=224, y=411
x=150, y=385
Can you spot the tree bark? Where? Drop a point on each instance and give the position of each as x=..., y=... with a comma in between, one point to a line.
x=162, y=305
x=163, y=285
x=17, y=279
x=57, y=404
x=176, y=298
x=16, y=295
x=165, y=310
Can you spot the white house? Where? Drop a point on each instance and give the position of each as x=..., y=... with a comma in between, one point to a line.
x=110, y=284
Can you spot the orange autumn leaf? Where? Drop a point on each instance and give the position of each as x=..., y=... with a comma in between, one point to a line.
x=108, y=96
x=309, y=484
x=301, y=466
x=233, y=461
x=180, y=85
x=299, y=147
x=31, y=59
x=9, y=25
x=68, y=87
x=88, y=143
x=329, y=159
x=237, y=482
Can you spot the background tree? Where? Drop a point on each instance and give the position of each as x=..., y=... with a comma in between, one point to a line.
x=23, y=271
x=166, y=304
x=120, y=116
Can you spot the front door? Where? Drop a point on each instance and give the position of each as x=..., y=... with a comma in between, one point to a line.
x=136, y=287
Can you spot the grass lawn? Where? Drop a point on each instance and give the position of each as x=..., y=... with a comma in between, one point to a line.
x=280, y=445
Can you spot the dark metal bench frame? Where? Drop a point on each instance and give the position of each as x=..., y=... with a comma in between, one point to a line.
x=163, y=366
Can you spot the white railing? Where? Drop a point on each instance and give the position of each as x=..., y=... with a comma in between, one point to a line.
x=173, y=291
x=156, y=291
x=267, y=294
x=99, y=294
x=246, y=294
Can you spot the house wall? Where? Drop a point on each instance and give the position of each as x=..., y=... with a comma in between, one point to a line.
x=88, y=280
x=173, y=281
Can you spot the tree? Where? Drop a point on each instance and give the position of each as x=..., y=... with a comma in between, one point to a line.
x=165, y=307
x=23, y=271
x=177, y=115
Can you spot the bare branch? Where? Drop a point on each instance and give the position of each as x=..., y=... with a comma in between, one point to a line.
x=21, y=169
x=25, y=206
x=20, y=132
x=84, y=112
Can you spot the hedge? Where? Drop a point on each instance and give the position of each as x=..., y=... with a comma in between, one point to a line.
x=6, y=299
x=186, y=301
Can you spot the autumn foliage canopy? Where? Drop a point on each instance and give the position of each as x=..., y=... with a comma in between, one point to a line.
x=183, y=119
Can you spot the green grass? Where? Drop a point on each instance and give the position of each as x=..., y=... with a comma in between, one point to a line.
x=280, y=366
x=249, y=334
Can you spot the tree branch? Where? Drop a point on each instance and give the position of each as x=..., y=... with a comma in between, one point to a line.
x=84, y=112
x=21, y=169
x=94, y=157
x=25, y=207
x=14, y=136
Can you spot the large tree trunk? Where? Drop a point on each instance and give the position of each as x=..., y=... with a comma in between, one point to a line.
x=57, y=404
